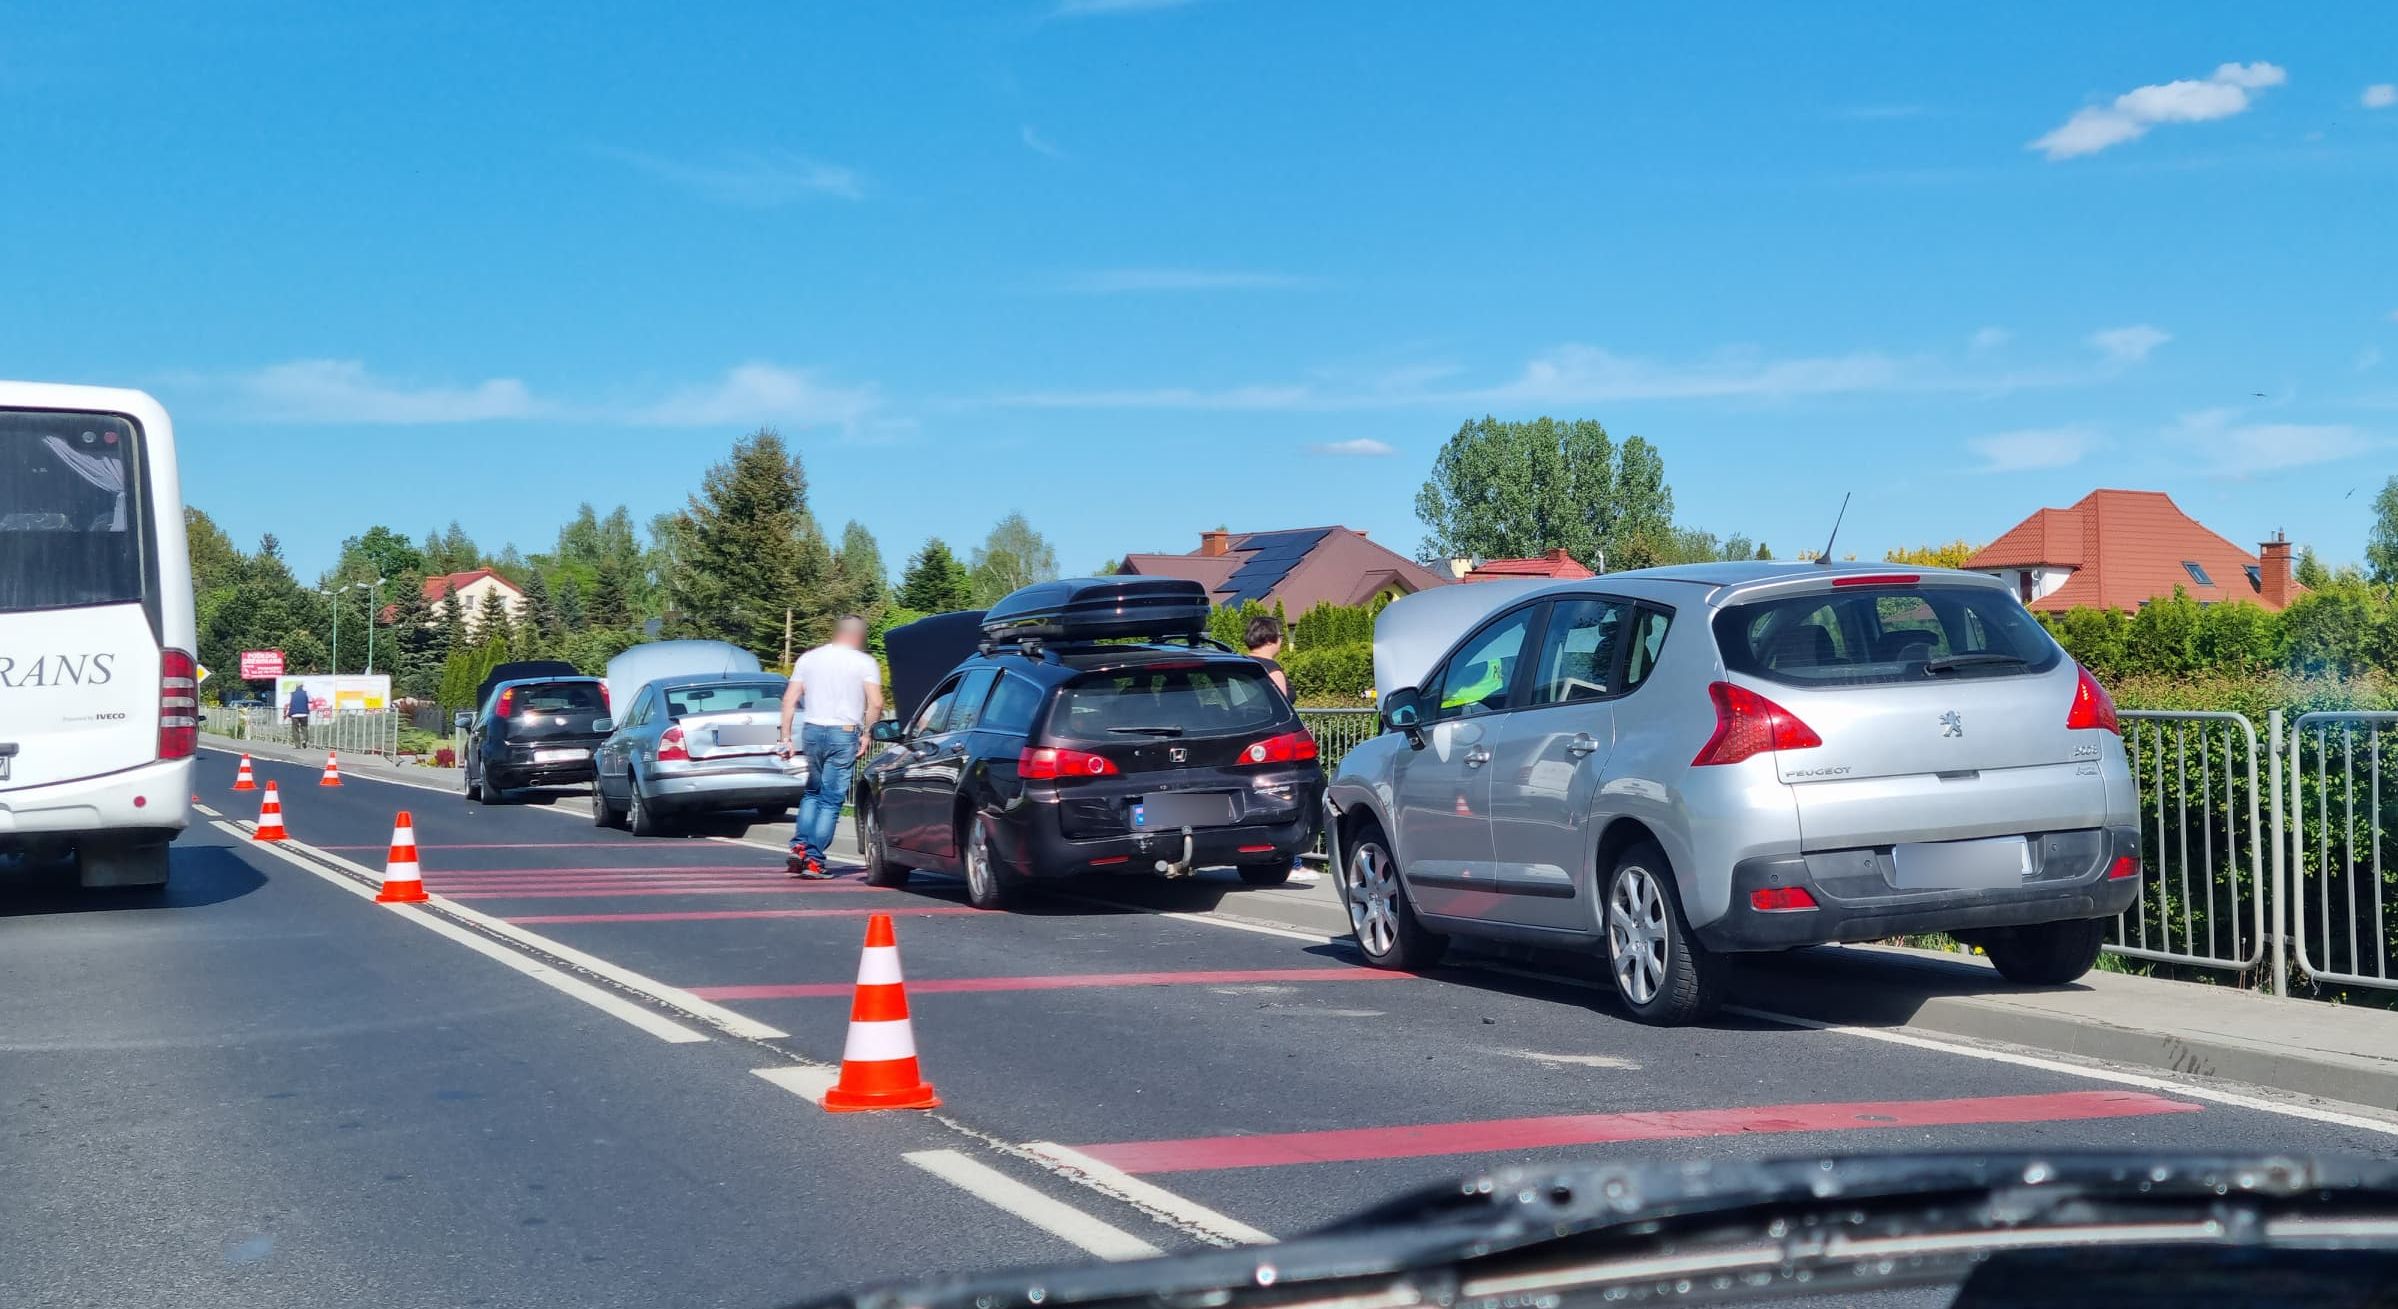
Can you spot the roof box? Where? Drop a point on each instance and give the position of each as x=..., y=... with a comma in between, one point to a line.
x=1098, y=608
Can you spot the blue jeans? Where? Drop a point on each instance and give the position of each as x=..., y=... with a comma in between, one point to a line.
x=832, y=760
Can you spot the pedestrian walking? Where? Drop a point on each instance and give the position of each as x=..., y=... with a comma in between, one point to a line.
x=836, y=690
x=1264, y=639
x=299, y=713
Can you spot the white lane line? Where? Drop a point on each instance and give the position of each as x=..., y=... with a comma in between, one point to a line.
x=674, y=997
x=807, y=1081
x=1112, y=1181
x=206, y=810
x=1055, y=1217
x=616, y=1006
x=2145, y=1082
x=350, y=777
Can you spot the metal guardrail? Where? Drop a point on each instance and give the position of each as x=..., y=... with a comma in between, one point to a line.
x=371, y=732
x=2337, y=884
x=2203, y=881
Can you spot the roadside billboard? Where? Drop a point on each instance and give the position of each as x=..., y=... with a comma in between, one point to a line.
x=258, y=665
x=349, y=693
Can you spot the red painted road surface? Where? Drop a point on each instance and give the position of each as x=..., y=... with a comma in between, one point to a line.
x=1059, y=982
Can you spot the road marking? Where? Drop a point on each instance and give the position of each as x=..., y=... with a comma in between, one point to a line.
x=731, y=1023
x=1509, y=1135
x=206, y=810
x=1053, y=1216
x=614, y=892
x=1111, y=1180
x=657, y=1025
x=807, y=1081
x=1057, y=982
x=711, y=915
x=2234, y=1099
x=758, y=871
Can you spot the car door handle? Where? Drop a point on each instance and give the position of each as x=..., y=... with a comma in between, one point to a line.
x=1477, y=756
x=1581, y=745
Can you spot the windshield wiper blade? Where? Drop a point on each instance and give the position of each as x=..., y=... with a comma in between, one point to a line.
x=1144, y=731
x=1979, y=659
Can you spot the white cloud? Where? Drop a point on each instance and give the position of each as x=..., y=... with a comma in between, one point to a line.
x=1583, y=374
x=2381, y=95
x=1037, y=143
x=758, y=180
x=1364, y=447
x=2032, y=448
x=755, y=394
x=1261, y=398
x=1118, y=281
x=2130, y=115
x=1990, y=338
x=2229, y=448
x=2128, y=345
x=343, y=391
x=1094, y=8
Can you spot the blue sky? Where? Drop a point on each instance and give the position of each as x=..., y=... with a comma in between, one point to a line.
x=1140, y=268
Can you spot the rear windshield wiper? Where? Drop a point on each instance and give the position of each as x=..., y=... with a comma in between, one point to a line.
x=1981, y=659
x=1144, y=731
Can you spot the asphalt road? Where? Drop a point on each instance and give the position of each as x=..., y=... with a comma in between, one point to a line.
x=262, y=1089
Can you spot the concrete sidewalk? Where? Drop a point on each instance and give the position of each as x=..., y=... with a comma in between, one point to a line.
x=362, y=765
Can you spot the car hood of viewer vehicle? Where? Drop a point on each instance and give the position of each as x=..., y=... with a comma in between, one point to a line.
x=1414, y=630
x=644, y=664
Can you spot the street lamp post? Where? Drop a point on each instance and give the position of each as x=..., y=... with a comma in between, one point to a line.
x=370, y=589
x=333, y=597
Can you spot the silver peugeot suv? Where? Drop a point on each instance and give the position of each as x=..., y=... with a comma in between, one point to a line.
x=1676, y=764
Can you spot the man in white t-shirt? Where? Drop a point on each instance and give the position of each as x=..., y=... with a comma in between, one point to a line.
x=836, y=690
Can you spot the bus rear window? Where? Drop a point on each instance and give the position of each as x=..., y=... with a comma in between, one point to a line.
x=73, y=528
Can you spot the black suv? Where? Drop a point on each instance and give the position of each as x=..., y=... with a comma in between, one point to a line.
x=535, y=728
x=1090, y=727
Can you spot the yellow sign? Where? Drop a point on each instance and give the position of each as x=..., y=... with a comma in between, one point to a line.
x=203, y=673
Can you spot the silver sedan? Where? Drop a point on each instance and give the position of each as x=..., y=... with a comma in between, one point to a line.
x=693, y=745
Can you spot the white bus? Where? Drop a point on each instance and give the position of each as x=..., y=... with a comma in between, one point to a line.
x=99, y=694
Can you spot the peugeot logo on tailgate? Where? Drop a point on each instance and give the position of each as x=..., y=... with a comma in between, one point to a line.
x=1951, y=724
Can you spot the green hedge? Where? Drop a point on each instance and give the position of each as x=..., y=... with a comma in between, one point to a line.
x=1338, y=675
x=2344, y=630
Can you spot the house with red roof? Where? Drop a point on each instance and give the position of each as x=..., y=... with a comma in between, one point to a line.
x=2121, y=549
x=471, y=586
x=1298, y=568
x=1554, y=565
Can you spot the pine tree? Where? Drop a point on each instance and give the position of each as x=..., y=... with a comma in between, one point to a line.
x=416, y=639
x=569, y=600
x=491, y=621
x=936, y=581
x=539, y=616
x=746, y=551
x=453, y=623
x=859, y=568
x=611, y=605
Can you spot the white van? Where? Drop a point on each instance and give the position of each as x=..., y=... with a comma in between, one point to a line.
x=99, y=693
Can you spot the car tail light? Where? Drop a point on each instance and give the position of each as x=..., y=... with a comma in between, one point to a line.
x=2123, y=867
x=1048, y=762
x=1747, y=724
x=1879, y=579
x=2092, y=706
x=670, y=744
x=1288, y=748
x=506, y=704
x=178, y=704
x=1781, y=899
x=603, y=695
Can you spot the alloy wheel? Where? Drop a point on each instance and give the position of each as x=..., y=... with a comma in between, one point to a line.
x=1636, y=934
x=981, y=883
x=1372, y=893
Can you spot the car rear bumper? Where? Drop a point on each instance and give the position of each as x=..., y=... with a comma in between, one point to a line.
x=1855, y=902
x=154, y=797
x=732, y=788
x=1030, y=844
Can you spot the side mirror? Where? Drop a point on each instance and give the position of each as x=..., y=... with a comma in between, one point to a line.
x=888, y=731
x=463, y=721
x=603, y=726
x=1403, y=711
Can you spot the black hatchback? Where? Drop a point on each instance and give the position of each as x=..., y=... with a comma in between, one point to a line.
x=1090, y=727
x=533, y=730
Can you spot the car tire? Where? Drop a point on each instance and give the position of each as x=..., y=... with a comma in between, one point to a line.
x=1660, y=973
x=2050, y=954
x=987, y=887
x=1380, y=916
x=876, y=851
x=474, y=786
x=604, y=814
x=641, y=817
x=1273, y=874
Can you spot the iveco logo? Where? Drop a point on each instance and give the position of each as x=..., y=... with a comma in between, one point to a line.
x=1951, y=724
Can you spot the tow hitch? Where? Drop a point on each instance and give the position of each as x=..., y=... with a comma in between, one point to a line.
x=1180, y=867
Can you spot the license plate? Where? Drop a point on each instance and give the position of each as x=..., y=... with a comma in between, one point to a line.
x=558, y=756
x=1961, y=865
x=1166, y=813
x=738, y=734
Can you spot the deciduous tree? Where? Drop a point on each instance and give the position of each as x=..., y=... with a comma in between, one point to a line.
x=1514, y=489
x=1013, y=555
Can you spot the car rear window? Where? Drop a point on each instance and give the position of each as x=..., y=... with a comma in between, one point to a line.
x=724, y=698
x=1871, y=635
x=560, y=698
x=73, y=529
x=1203, y=700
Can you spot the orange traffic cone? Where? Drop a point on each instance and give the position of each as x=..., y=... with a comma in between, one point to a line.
x=332, y=775
x=270, y=818
x=878, y=1062
x=402, y=884
x=243, y=781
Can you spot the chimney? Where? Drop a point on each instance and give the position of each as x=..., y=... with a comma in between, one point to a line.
x=1215, y=545
x=1557, y=556
x=2273, y=572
